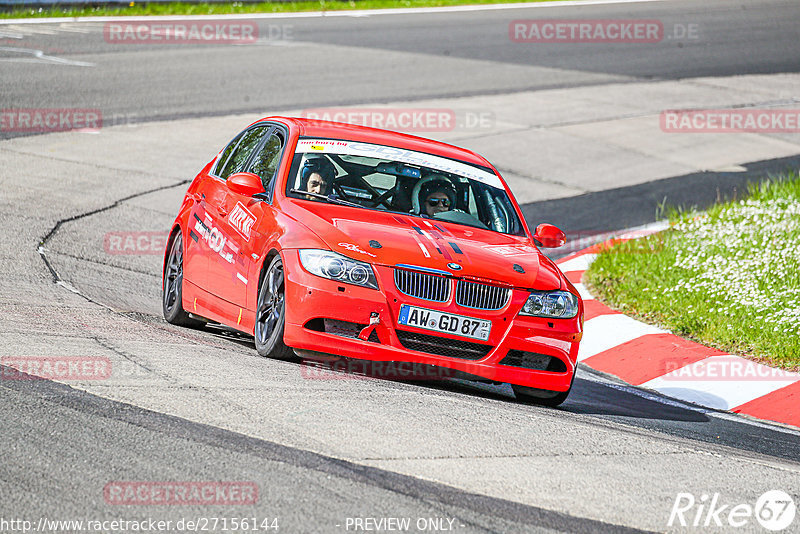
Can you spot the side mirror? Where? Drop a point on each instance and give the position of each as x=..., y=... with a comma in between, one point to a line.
x=550, y=236
x=245, y=183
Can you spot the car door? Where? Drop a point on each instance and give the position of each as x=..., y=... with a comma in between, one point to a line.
x=199, y=226
x=250, y=220
x=227, y=268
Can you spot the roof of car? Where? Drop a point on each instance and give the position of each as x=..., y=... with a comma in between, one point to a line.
x=352, y=132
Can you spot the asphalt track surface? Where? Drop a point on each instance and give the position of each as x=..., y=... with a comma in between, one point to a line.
x=391, y=57
x=610, y=459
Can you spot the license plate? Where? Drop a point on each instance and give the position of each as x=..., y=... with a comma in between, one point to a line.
x=447, y=323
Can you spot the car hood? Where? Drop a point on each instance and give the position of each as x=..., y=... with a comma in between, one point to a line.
x=393, y=239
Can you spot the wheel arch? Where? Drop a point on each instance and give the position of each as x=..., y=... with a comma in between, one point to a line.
x=175, y=229
x=264, y=266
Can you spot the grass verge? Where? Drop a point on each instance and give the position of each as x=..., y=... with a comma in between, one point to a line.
x=728, y=277
x=227, y=8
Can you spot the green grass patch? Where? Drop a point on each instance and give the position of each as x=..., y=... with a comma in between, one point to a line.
x=227, y=8
x=728, y=277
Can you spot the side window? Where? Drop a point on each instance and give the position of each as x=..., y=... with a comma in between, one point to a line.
x=265, y=163
x=242, y=152
x=226, y=154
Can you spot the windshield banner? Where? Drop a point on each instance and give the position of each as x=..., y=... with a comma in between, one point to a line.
x=367, y=150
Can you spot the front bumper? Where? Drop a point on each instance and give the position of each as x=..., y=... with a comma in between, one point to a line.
x=311, y=299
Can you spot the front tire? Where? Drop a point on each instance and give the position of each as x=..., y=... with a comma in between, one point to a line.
x=172, y=289
x=271, y=314
x=543, y=397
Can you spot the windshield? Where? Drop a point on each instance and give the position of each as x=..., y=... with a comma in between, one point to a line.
x=392, y=179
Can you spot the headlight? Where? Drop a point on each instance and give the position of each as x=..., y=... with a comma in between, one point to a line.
x=556, y=304
x=334, y=266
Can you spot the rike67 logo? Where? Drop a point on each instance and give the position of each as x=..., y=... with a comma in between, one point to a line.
x=774, y=510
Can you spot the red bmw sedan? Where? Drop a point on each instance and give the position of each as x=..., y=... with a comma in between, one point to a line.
x=321, y=237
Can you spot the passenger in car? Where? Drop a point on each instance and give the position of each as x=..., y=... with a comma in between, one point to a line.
x=317, y=176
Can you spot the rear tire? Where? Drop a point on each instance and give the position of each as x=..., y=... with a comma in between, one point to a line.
x=172, y=289
x=271, y=314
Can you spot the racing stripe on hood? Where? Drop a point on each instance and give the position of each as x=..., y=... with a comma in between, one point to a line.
x=416, y=230
x=421, y=246
x=455, y=247
x=432, y=241
x=443, y=230
x=440, y=242
x=437, y=240
x=433, y=237
x=440, y=238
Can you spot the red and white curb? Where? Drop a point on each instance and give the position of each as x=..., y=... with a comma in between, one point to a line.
x=646, y=356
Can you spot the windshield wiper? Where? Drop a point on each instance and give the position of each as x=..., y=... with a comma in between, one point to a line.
x=329, y=198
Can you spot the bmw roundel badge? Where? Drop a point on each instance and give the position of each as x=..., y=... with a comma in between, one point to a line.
x=454, y=266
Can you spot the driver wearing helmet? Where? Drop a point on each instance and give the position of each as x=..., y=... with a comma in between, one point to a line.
x=436, y=195
x=317, y=176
